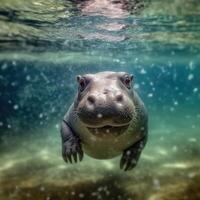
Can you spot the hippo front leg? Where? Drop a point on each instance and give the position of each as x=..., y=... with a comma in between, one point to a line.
x=131, y=155
x=71, y=144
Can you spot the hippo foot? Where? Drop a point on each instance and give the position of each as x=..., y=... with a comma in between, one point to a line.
x=131, y=155
x=129, y=160
x=72, y=150
x=71, y=144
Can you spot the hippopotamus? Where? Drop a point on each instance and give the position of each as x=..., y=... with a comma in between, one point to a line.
x=106, y=119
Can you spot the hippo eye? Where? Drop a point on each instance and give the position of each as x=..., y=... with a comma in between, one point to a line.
x=127, y=80
x=82, y=83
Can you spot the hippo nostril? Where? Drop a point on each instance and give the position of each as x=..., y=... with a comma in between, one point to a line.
x=119, y=97
x=91, y=99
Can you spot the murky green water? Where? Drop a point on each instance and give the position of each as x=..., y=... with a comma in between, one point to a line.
x=44, y=44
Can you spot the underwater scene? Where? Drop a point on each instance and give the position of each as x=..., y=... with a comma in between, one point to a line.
x=44, y=45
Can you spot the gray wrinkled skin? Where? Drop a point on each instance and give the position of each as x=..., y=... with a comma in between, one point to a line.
x=106, y=119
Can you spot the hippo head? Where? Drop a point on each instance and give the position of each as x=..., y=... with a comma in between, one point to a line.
x=104, y=102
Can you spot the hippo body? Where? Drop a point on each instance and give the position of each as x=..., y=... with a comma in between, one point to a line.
x=106, y=119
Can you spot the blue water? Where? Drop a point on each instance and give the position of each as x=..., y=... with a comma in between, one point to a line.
x=43, y=46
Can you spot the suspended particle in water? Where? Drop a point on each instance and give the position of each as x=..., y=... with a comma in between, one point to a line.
x=136, y=86
x=40, y=115
x=191, y=175
x=1, y=123
x=176, y=88
x=191, y=65
x=99, y=115
x=100, y=189
x=143, y=71
x=9, y=126
x=192, y=140
x=156, y=183
x=188, y=116
x=28, y=78
x=173, y=53
x=93, y=194
x=128, y=153
x=57, y=126
x=180, y=93
x=73, y=193
x=15, y=107
x=4, y=66
x=187, y=98
x=150, y=95
x=53, y=110
x=142, y=128
x=190, y=77
x=151, y=83
x=193, y=126
x=122, y=62
x=14, y=84
x=28, y=195
x=169, y=64
x=163, y=70
x=119, y=197
x=176, y=103
x=141, y=146
x=116, y=60
x=107, y=193
x=136, y=60
x=99, y=196
x=143, y=83
x=174, y=148
x=195, y=90
x=172, y=109
x=14, y=63
x=81, y=195
x=42, y=189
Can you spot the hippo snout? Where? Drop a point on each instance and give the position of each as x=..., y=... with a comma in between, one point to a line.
x=104, y=109
x=92, y=99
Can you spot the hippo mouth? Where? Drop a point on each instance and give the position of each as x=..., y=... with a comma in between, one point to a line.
x=108, y=130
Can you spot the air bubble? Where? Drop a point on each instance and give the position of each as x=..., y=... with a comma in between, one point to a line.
x=143, y=71
x=195, y=90
x=99, y=115
x=28, y=78
x=150, y=95
x=190, y=77
x=4, y=66
x=15, y=107
x=175, y=103
x=81, y=195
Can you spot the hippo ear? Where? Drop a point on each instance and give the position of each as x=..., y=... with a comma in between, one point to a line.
x=78, y=78
x=131, y=76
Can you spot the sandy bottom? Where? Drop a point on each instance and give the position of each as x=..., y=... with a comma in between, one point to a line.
x=32, y=168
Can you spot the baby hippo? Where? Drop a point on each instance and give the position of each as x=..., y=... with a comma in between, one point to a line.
x=106, y=119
